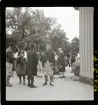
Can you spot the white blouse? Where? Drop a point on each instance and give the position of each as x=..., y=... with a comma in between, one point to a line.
x=25, y=55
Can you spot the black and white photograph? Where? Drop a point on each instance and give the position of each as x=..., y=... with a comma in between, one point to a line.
x=49, y=53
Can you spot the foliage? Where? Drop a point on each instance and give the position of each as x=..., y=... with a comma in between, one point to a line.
x=31, y=26
x=28, y=26
x=59, y=39
x=75, y=46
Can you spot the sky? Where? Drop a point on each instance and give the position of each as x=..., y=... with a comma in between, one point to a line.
x=68, y=17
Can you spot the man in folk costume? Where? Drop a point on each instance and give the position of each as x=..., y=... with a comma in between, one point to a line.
x=49, y=62
x=9, y=63
x=61, y=62
x=21, y=56
x=32, y=61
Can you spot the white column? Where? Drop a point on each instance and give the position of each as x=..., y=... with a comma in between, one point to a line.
x=86, y=41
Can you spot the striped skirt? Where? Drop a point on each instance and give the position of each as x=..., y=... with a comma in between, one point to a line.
x=9, y=67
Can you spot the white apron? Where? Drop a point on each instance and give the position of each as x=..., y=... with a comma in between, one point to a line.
x=48, y=69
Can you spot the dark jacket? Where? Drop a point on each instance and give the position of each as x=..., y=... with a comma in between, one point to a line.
x=9, y=56
x=49, y=56
x=61, y=59
x=32, y=61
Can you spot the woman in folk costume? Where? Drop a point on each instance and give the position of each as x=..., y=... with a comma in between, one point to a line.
x=40, y=66
x=9, y=63
x=32, y=61
x=21, y=56
x=61, y=62
x=42, y=59
x=49, y=62
x=56, y=60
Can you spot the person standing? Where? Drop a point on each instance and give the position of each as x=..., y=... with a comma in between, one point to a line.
x=9, y=63
x=32, y=61
x=21, y=56
x=56, y=60
x=61, y=62
x=40, y=66
x=49, y=62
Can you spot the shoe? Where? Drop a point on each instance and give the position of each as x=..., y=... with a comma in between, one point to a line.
x=44, y=84
x=63, y=76
x=20, y=82
x=51, y=84
x=52, y=80
x=28, y=85
x=24, y=83
x=32, y=86
x=9, y=85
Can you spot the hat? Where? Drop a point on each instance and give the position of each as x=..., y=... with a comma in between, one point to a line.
x=59, y=48
x=21, y=45
x=48, y=45
x=12, y=44
x=32, y=45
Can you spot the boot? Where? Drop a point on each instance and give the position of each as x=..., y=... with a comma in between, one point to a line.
x=28, y=81
x=32, y=86
x=63, y=75
x=32, y=80
x=51, y=80
x=24, y=83
x=24, y=80
x=51, y=84
x=20, y=79
x=7, y=81
x=20, y=82
x=46, y=79
x=44, y=84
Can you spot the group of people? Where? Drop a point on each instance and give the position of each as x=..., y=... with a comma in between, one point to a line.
x=26, y=63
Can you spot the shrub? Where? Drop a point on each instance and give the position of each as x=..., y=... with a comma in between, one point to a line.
x=76, y=68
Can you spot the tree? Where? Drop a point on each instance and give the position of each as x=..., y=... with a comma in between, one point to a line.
x=28, y=26
x=75, y=46
x=59, y=39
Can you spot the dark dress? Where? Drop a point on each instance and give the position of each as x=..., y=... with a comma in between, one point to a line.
x=73, y=59
x=42, y=58
x=61, y=62
x=21, y=66
x=32, y=61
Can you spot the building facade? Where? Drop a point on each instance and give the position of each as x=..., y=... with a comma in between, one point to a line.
x=86, y=41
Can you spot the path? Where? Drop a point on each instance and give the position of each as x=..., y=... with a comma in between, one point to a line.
x=63, y=89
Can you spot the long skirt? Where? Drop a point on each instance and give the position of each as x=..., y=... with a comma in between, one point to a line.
x=9, y=67
x=48, y=69
x=21, y=69
x=39, y=68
